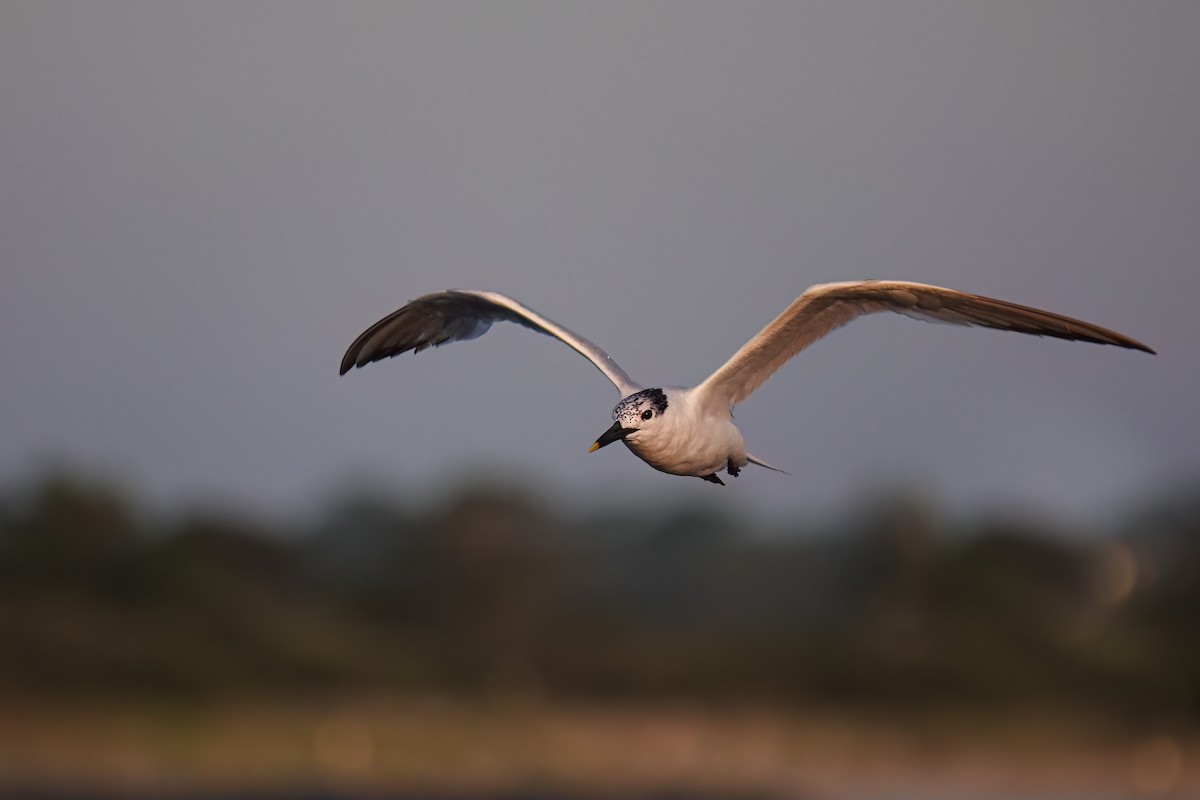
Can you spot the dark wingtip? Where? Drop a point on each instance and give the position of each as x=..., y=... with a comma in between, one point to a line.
x=1131, y=344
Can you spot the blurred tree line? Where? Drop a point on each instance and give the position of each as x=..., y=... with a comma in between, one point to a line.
x=491, y=592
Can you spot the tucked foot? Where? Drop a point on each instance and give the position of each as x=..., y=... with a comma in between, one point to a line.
x=734, y=470
x=712, y=479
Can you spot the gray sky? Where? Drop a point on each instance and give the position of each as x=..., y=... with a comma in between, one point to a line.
x=202, y=204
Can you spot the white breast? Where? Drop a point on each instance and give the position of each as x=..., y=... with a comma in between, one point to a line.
x=688, y=442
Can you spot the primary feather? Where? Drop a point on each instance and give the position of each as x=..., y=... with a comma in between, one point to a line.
x=456, y=315
x=825, y=307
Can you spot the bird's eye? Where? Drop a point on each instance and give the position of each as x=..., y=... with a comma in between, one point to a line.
x=647, y=414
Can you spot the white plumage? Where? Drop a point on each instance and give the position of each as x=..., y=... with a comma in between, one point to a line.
x=690, y=431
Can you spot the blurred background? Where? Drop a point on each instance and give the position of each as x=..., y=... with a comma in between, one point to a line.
x=225, y=569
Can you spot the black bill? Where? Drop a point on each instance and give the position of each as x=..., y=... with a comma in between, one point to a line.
x=611, y=435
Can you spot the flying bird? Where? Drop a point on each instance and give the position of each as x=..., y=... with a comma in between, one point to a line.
x=690, y=431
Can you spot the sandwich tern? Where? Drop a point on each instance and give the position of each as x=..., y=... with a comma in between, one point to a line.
x=690, y=431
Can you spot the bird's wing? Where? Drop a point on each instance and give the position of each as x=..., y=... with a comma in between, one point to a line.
x=457, y=315
x=824, y=307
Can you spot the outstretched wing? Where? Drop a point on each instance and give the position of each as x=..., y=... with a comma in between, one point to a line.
x=824, y=307
x=457, y=315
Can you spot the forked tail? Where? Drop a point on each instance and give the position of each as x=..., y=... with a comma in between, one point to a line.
x=762, y=463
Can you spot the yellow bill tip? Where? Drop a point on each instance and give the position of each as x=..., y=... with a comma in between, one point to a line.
x=595, y=446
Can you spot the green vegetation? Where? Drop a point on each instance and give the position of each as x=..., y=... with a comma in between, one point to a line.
x=491, y=593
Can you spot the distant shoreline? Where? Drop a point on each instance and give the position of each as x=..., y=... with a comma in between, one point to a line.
x=431, y=746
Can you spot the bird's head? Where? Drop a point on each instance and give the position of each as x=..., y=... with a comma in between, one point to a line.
x=638, y=412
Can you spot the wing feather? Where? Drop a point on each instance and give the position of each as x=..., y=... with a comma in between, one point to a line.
x=458, y=315
x=826, y=307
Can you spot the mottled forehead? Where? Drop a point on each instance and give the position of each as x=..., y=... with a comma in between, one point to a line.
x=635, y=403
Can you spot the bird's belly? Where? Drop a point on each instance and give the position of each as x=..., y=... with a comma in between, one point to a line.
x=694, y=452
